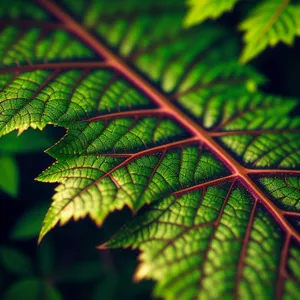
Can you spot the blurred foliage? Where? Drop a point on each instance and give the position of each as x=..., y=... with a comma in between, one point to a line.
x=201, y=10
x=10, y=145
x=267, y=23
x=9, y=175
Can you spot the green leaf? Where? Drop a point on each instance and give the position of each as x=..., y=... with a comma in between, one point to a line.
x=270, y=22
x=29, y=224
x=18, y=10
x=285, y=191
x=193, y=239
x=171, y=123
x=291, y=286
x=29, y=141
x=9, y=176
x=258, y=129
x=32, y=289
x=200, y=10
x=134, y=182
x=15, y=261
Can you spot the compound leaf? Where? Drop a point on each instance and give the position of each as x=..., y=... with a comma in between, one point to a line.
x=270, y=22
x=168, y=122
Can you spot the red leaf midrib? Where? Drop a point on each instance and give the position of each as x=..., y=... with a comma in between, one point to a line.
x=190, y=125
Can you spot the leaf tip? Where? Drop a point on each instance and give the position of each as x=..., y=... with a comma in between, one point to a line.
x=243, y=59
x=20, y=131
x=141, y=272
x=45, y=229
x=41, y=236
x=251, y=86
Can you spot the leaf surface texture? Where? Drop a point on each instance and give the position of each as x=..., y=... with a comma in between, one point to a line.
x=168, y=122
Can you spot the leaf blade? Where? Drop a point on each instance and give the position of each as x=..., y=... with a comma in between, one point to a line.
x=268, y=24
x=88, y=148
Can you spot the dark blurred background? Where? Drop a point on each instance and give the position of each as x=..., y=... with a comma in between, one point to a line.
x=67, y=265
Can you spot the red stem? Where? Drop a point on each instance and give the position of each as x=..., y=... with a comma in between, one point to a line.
x=292, y=214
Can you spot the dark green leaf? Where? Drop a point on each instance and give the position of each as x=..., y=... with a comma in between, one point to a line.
x=46, y=257
x=29, y=141
x=9, y=176
x=15, y=261
x=29, y=224
x=32, y=289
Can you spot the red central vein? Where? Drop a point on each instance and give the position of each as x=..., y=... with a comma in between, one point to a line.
x=197, y=131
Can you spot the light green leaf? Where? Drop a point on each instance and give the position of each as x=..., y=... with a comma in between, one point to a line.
x=115, y=183
x=9, y=176
x=38, y=46
x=258, y=129
x=270, y=22
x=200, y=10
x=15, y=261
x=197, y=239
x=78, y=93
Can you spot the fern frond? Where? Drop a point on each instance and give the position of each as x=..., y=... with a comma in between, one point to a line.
x=199, y=11
x=268, y=24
